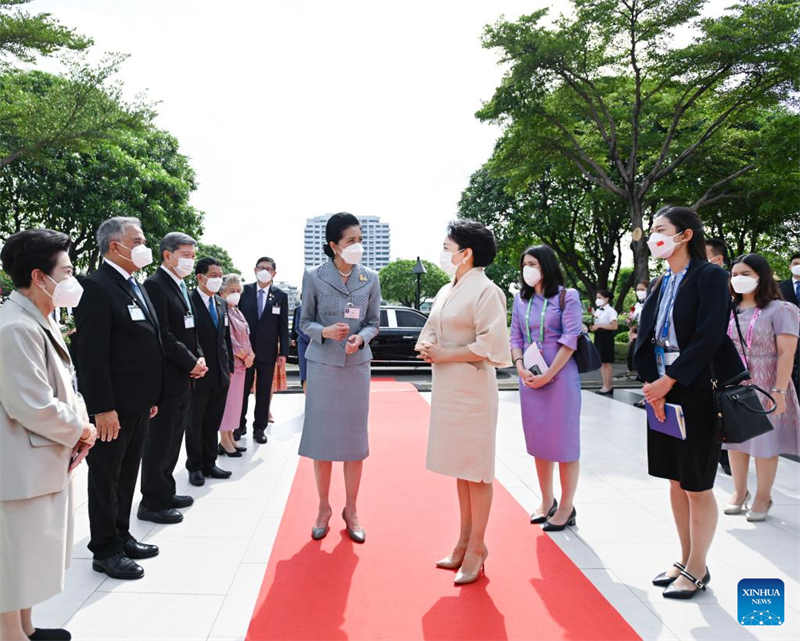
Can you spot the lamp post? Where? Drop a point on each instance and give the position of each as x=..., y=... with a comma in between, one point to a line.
x=419, y=270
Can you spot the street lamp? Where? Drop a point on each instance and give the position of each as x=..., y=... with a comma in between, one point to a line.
x=419, y=270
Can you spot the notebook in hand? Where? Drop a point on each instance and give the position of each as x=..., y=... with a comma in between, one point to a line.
x=674, y=423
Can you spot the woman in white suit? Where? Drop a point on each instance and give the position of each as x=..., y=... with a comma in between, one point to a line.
x=44, y=430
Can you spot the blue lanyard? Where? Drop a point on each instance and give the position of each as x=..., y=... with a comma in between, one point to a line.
x=671, y=300
x=541, y=321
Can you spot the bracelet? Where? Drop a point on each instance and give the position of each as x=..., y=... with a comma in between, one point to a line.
x=778, y=391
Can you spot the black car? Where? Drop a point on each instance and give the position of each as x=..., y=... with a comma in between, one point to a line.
x=400, y=328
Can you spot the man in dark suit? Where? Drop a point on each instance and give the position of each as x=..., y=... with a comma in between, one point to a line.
x=790, y=289
x=120, y=363
x=211, y=391
x=266, y=309
x=183, y=362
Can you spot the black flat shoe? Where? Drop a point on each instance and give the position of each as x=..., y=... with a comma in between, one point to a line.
x=543, y=517
x=168, y=516
x=241, y=449
x=675, y=593
x=551, y=527
x=223, y=452
x=664, y=579
x=136, y=550
x=217, y=473
x=118, y=566
x=197, y=478
x=181, y=501
x=608, y=393
x=50, y=634
x=260, y=437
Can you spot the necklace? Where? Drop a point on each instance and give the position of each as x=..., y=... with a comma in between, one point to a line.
x=343, y=274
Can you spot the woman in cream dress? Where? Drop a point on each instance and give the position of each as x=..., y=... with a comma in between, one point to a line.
x=465, y=338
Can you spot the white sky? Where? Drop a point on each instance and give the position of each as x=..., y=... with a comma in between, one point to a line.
x=293, y=108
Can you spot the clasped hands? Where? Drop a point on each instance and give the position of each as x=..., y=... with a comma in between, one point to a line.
x=339, y=332
x=655, y=394
x=200, y=368
x=431, y=352
x=534, y=381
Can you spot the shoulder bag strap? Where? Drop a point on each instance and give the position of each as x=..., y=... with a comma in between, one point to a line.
x=741, y=336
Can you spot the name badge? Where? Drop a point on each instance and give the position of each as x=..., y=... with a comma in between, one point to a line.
x=188, y=321
x=351, y=312
x=226, y=320
x=276, y=309
x=136, y=312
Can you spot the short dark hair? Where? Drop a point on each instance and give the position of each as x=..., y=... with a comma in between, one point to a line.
x=334, y=229
x=605, y=293
x=468, y=234
x=32, y=249
x=646, y=283
x=202, y=265
x=794, y=257
x=173, y=240
x=767, y=289
x=718, y=248
x=266, y=259
x=552, y=276
x=684, y=218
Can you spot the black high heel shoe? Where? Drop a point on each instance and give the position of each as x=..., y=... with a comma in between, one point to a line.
x=675, y=593
x=664, y=579
x=223, y=452
x=552, y=527
x=543, y=517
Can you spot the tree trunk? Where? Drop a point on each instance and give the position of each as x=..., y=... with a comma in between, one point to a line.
x=641, y=253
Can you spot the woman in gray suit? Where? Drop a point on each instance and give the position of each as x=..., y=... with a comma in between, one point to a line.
x=44, y=430
x=341, y=315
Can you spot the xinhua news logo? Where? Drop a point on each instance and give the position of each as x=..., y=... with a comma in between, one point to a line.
x=761, y=602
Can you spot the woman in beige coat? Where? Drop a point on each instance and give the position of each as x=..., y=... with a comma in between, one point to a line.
x=464, y=339
x=44, y=430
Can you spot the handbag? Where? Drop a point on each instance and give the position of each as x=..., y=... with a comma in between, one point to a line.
x=739, y=413
x=586, y=356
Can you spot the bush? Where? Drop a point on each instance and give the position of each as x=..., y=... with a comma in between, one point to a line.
x=621, y=337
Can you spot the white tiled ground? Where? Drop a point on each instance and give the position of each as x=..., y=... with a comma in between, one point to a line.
x=204, y=584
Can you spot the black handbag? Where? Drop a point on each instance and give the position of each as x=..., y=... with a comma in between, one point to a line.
x=739, y=413
x=586, y=356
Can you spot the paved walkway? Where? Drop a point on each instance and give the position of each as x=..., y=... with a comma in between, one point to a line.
x=204, y=584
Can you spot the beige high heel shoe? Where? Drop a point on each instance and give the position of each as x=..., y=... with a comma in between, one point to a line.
x=738, y=508
x=451, y=562
x=465, y=576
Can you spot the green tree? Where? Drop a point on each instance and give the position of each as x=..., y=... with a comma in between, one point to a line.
x=399, y=284
x=608, y=89
x=140, y=174
x=215, y=251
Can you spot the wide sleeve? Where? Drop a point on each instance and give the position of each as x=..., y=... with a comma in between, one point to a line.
x=372, y=319
x=571, y=320
x=517, y=333
x=427, y=334
x=491, y=334
x=308, y=317
x=786, y=319
x=25, y=392
x=712, y=322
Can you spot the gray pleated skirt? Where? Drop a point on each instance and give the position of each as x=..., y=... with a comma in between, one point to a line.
x=337, y=412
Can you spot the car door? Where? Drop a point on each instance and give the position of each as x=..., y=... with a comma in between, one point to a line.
x=409, y=324
x=379, y=343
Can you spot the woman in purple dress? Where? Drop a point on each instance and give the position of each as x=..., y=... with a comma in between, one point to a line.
x=769, y=327
x=549, y=315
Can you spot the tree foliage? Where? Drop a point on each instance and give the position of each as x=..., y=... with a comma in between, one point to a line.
x=215, y=251
x=399, y=283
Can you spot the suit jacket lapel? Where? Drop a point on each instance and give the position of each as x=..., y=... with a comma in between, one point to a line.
x=358, y=279
x=125, y=286
x=175, y=288
x=329, y=274
x=47, y=324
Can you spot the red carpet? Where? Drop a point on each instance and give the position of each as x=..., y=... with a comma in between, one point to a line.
x=388, y=588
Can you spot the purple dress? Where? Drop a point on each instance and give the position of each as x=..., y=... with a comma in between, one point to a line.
x=778, y=317
x=551, y=414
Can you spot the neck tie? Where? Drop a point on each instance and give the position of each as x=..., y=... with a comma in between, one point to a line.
x=185, y=293
x=137, y=292
x=212, y=309
x=797, y=289
x=262, y=299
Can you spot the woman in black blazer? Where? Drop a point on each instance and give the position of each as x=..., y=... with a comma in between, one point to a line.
x=682, y=336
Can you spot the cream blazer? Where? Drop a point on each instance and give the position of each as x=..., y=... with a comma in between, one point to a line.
x=41, y=414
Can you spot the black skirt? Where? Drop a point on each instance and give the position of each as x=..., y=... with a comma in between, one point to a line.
x=692, y=462
x=604, y=342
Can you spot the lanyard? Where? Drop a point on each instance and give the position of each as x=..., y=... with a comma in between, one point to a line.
x=673, y=294
x=748, y=337
x=541, y=321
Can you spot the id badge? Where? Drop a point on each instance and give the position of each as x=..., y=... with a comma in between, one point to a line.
x=351, y=312
x=188, y=321
x=136, y=312
x=226, y=320
x=276, y=309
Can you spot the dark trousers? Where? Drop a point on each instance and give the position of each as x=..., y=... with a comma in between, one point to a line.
x=208, y=406
x=113, y=468
x=265, y=371
x=162, y=446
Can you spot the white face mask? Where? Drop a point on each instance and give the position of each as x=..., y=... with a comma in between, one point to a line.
x=661, y=245
x=744, y=284
x=446, y=262
x=795, y=269
x=599, y=302
x=67, y=293
x=184, y=267
x=641, y=295
x=263, y=276
x=213, y=284
x=233, y=298
x=531, y=275
x=352, y=253
x=141, y=255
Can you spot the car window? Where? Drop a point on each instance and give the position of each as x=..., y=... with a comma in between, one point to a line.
x=408, y=318
x=384, y=319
